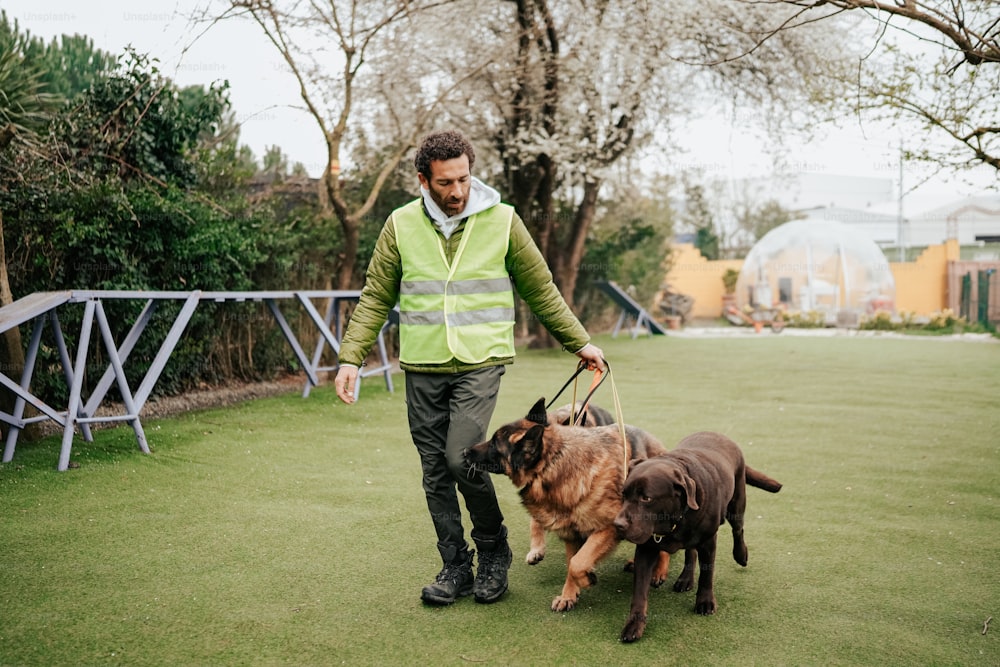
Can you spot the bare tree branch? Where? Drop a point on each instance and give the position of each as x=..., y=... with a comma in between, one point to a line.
x=978, y=45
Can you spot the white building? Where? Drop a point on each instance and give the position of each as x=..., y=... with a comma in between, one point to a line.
x=872, y=206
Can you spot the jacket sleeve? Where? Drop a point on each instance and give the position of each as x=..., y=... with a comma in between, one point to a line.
x=533, y=281
x=378, y=296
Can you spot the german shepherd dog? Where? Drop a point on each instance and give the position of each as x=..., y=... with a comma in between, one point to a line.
x=583, y=414
x=570, y=480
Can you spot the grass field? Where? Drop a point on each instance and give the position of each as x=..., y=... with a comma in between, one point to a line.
x=291, y=531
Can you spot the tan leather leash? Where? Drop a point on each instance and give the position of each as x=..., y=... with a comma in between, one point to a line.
x=619, y=416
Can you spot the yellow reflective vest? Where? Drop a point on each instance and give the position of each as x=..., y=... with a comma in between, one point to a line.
x=462, y=309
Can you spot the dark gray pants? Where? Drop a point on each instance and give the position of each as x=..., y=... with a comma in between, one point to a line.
x=447, y=414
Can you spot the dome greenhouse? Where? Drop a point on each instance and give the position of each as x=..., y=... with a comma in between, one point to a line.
x=817, y=266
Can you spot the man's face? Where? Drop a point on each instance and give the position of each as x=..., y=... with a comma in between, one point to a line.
x=449, y=184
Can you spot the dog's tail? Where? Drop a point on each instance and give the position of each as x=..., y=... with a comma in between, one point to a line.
x=762, y=481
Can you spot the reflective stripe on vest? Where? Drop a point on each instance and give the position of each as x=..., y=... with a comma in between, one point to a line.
x=459, y=310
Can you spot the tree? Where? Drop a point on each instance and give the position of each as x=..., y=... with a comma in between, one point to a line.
x=573, y=91
x=629, y=243
x=333, y=94
x=698, y=216
x=758, y=218
x=943, y=70
x=580, y=92
x=954, y=108
x=70, y=64
x=971, y=28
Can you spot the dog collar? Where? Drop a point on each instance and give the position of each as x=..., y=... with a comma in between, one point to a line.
x=658, y=537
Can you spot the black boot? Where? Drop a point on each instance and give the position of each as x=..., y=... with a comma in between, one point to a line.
x=494, y=561
x=454, y=580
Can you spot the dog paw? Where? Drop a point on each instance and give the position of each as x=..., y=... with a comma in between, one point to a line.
x=661, y=570
x=683, y=584
x=705, y=607
x=629, y=566
x=634, y=629
x=562, y=603
x=535, y=557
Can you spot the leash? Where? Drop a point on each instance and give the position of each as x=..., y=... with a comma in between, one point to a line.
x=621, y=422
x=579, y=369
x=599, y=378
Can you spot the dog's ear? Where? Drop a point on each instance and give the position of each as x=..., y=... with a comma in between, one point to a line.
x=529, y=448
x=537, y=413
x=689, y=491
x=632, y=463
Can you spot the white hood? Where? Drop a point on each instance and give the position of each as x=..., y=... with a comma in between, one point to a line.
x=481, y=197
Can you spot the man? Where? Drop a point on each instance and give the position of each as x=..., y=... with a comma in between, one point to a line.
x=449, y=258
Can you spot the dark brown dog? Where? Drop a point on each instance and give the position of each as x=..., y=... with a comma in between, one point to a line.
x=592, y=415
x=571, y=484
x=678, y=500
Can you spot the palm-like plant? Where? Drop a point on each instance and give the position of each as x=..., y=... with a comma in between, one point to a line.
x=24, y=104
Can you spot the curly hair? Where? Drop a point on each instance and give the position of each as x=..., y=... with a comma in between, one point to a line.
x=443, y=145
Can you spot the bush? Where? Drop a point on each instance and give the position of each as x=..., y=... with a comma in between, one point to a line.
x=881, y=321
x=945, y=320
x=811, y=319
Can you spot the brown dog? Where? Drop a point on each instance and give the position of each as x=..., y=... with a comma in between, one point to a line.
x=571, y=483
x=592, y=415
x=589, y=415
x=678, y=500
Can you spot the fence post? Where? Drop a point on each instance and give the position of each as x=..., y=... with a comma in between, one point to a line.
x=983, y=297
x=987, y=309
x=965, y=305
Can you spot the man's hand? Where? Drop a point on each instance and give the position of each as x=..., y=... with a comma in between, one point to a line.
x=347, y=376
x=594, y=357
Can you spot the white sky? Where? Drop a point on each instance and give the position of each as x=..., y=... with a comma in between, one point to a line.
x=266, y=101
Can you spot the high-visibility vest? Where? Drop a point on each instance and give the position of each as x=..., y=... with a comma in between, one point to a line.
x=463, y=309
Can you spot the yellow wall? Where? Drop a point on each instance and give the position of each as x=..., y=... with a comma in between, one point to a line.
x=700, y=278
x=921, y=286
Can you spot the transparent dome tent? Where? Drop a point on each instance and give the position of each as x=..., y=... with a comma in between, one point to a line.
x=817, y=266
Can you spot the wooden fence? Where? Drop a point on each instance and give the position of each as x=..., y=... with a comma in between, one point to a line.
x=974, y=290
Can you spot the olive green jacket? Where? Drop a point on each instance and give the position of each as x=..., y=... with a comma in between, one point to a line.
x=525, y=264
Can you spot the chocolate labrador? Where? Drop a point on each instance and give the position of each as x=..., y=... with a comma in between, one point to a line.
x=678, y=500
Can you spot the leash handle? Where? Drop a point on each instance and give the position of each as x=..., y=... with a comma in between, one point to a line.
x=594, y=384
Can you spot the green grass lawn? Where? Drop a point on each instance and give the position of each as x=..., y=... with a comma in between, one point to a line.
x=293, y=531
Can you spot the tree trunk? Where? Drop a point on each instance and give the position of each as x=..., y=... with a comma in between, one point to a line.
x=569, y=256
x=532, y=183
x=11, y=352
x=349, y=253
